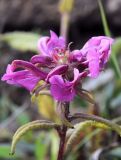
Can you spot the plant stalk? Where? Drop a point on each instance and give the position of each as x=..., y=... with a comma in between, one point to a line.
x=62, y=133
x=62, y=142
x=65, y=18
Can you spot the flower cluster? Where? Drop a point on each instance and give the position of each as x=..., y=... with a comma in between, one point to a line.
x=61, y=69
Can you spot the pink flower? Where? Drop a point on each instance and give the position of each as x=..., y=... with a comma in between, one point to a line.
x=59, y=70
x=56, y=64
x=43, y=61
x=75, y=56
x=28, y=78
x=62, y=89
x=97, y=51
x=52, y=46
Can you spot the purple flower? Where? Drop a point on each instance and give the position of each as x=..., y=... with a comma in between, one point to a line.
x=76, y=55
x=63, y=90
x=59, y=70
x=27, y=78
x=97, y=51
x=43, y=61
x=56, y=64
x=93, y=59
x=52, y=46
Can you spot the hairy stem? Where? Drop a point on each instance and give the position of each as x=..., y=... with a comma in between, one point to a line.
x=62, y=133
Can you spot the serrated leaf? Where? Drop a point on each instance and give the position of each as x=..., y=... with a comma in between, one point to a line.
x=23, y=41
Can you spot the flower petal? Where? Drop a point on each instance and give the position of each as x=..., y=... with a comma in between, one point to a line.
x=97, y=51
x=29, y=66
x=93, y=58
x=60, y=90
x=57, y=71
x=63, y=90
x=42, y=45
x=51, y=45
x=42, y=60
x=28, y=77
x=55, y=42
x=75, y=55
x=21, y=78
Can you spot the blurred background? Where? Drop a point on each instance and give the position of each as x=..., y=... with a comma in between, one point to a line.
x=22, y=23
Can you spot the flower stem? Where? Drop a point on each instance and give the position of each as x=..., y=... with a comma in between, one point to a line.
x=65, y=8
x=62, y=133
x=65, y=18
x=62, y=142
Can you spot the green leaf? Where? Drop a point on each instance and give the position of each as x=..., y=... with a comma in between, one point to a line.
x=91, y=120
x=23, y=41
x=116, y=152
x=39, y=124
x=54, y=145
x=41, y=147
x=24, y=118
x=46, y=106
x=117, y=46
x=104, y=20
x=80, y=127
x=4, y=151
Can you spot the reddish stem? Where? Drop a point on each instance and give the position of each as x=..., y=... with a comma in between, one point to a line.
x=62, y=133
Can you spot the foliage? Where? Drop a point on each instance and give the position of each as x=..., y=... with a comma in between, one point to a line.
x=23, y=41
